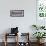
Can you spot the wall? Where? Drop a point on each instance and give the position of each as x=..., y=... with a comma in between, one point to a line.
x=23, y=23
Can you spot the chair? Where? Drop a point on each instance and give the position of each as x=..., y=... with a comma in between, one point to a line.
x=25, y=36
x=14, y=32
x=7, y=35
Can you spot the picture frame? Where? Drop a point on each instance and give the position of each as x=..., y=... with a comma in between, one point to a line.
x=41, y=12
x=17, y=13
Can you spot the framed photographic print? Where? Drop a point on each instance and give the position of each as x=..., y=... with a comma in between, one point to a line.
x=17, y=13
x=41, y=12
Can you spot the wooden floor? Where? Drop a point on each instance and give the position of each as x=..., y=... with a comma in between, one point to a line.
x=13, y=44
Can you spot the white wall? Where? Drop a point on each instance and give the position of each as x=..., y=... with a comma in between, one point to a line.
x=23, y=23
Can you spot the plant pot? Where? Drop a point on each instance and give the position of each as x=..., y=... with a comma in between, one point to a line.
x=40, y=41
